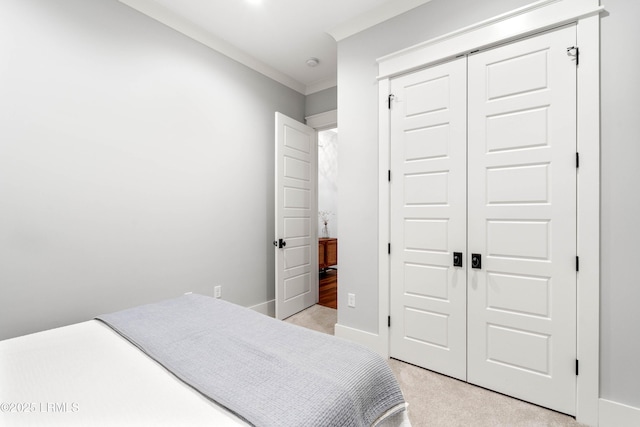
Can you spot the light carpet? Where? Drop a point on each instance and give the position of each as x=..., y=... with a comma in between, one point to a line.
x=438, y=400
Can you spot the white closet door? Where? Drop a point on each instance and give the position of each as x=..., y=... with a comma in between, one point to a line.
x=522, y=220
x=428, y=217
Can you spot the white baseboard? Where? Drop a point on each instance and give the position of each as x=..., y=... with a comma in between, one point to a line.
x=268, y=308
x=614, y=414
x=367, y=339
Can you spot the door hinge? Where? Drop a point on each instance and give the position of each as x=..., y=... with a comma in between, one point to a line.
x=389, y=321
x=574, y=51
x=389, y=175
x=577, y=263
x=389, y=99
x=577, y=160
x=389, y=248
x=576, y=366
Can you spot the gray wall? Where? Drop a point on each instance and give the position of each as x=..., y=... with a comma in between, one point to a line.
x=358, y=159
x=319, y=102
x=620, y=209
x=358, y=148
x=135, y=165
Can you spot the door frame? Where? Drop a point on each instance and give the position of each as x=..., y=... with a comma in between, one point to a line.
x=319, y=122
x=323, y=121
x=528, y=20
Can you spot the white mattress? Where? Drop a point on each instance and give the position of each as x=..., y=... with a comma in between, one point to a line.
x=87, y=375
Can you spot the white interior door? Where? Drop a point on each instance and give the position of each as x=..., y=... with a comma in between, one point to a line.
x=522, y=220
x=428, y=217
x=296, y=241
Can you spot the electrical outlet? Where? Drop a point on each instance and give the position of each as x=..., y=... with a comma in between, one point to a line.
x=217, y=291
x=351, y=300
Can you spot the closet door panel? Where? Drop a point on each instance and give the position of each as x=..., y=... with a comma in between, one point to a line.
x=428, y=217
x=522, y=219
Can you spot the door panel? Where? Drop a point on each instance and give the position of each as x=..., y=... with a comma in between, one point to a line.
x=428, y=198
x=522, y=219
x=295, y=182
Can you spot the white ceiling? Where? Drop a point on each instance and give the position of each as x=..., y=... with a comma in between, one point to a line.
x=276, y=37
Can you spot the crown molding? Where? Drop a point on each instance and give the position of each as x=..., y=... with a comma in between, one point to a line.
x=174, y=21
x=375, y=16
x=321, y=85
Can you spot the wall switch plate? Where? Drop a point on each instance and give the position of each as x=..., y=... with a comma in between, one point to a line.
x=351, y=300
x=217, y=291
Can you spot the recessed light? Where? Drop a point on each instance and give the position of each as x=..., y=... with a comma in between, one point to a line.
x=254, y=2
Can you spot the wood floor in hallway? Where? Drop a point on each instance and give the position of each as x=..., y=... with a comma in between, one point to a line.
x=328, y=292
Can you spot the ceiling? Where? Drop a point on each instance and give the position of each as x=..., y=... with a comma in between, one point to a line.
x=276, y=37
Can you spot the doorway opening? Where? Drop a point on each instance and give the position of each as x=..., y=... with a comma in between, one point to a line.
x=328, y=217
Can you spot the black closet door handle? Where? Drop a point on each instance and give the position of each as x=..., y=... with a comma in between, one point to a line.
x=476, y=261
x=457, y=259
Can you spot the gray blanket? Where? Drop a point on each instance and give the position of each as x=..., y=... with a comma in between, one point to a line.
x=268, y=372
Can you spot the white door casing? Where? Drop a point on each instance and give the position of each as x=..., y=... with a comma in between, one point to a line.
x=428, y=217
x=522, y=219
x=295, y=241
x=520, y=216
x=525, y=21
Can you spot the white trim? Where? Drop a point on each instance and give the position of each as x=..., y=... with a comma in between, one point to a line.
x=537, y=17
x=321, y=85
x=384, y=237
x=367, y=339
x=533, y=18
x=380, y=14
x=325, y=120
x=614, y=414
x=588, y=247
x=171, y=20
x=267, y=308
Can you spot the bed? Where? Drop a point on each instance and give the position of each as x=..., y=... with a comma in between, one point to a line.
x=193, y=361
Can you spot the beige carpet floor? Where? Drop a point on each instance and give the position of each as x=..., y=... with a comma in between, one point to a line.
x=438, y=400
